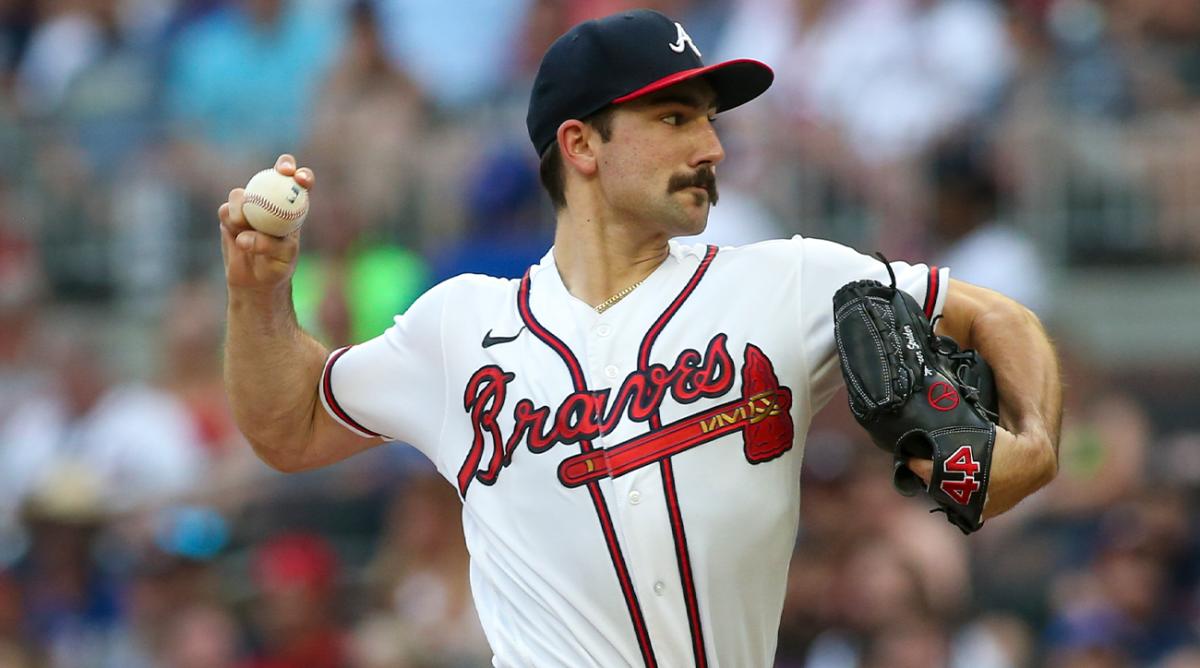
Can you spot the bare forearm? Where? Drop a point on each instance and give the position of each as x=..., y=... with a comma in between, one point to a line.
x=1027, y=380
x=1025, y=365
x=272, y=370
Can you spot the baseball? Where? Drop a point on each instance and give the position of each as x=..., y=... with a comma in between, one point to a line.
x=275, y=204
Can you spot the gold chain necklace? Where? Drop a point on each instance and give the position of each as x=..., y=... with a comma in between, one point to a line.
x=608, y=303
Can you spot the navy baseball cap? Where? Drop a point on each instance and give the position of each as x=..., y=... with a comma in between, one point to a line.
x=622, y=57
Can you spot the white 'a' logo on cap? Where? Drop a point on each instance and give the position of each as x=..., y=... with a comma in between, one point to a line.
x=683, y=40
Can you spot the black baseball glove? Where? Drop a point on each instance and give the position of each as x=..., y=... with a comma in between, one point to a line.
x=918, y=395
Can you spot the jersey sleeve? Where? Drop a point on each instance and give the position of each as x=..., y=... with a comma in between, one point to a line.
x=393, y=386
x=827, y=266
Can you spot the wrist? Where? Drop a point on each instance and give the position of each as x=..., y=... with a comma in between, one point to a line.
x=268, y=297
x=270, y=307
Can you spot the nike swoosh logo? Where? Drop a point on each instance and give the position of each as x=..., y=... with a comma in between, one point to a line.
x=489, y=340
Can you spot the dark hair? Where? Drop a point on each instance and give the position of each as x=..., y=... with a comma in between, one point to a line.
x=552, y=171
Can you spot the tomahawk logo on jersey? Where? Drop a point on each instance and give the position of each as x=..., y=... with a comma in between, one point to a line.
x=616, y=468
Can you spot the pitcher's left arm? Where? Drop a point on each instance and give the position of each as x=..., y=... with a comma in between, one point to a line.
x=1014, y=343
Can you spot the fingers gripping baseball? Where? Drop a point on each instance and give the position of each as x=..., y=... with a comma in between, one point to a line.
x=254, y=259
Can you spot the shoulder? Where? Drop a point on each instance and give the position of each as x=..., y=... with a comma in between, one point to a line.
x=467, y=297
x=774, y=255
x=475, y=287
x=773, y=249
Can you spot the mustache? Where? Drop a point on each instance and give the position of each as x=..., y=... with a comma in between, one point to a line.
x=705, y=177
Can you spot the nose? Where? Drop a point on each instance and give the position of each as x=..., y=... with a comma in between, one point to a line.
x=709, y=150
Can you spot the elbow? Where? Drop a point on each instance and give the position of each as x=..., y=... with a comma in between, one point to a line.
x=282, y=444
x=283, y=465
x=1046, y=456
x=283, y=460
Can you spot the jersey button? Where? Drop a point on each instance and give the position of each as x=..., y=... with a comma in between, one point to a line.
x=659, y=588
x=604, y=330
x=635, y=497
x=611, y=371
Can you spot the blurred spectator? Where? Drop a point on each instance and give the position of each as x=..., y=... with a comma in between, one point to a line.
x=421, y=570
x=507, y=227
x=1120, y=606
x=911, y=643
x=355, y=283
x=191, y=373
x=360, y=271
x=888, y=76
x=459, y=63
x=201, y=636
x=16, y=648
x=1099, y=109
x=241, y=78
x=139, y=443
x=16, y=25
x=1092, y=79
x=973, y=240
x=181, y=14
x=1161, y=42
x=295, y=618
x=110, y=105
x=169, y=578
x=1105, y=443
x=68, y=37
x=366, y=138
x=71, y=599
x=932, y=551
x=21, y=294
x=890, y=571
x=994, y=641
x=865, y=87
x=807, y=608
x=1187, y=657
x=544, y=22
x=1127, y=600
x=875, y=590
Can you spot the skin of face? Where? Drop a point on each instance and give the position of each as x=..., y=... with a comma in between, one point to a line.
x=658, y=168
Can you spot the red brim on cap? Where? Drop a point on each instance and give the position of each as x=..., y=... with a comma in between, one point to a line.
x=735, y=82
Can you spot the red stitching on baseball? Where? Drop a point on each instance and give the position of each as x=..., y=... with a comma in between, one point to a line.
x=272, y=208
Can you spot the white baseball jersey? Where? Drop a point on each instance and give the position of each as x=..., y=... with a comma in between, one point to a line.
x=630, y=480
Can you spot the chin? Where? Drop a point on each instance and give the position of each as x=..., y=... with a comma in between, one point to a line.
x=693, y=223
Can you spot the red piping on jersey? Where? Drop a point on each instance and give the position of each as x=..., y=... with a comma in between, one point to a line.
x=931, y=291
x=327, y=390
x=683, y=558
x=610, y=535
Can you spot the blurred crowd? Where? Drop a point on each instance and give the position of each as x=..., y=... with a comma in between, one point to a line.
x=1010, y=140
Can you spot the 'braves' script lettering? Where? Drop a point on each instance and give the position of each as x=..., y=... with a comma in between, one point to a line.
x=582, y=416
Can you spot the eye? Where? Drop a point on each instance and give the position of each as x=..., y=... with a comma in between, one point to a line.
x=671, y=119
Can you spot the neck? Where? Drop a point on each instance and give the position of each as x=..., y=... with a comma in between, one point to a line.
x=598, y=257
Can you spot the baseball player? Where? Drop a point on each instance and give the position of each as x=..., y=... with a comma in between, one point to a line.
x=625, y=424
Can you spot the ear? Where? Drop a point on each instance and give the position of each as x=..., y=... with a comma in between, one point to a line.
x=575, y=141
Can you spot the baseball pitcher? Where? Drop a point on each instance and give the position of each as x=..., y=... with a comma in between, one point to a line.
x=625, y=425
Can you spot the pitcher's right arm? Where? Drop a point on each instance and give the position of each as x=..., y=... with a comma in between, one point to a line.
x=272, y=366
